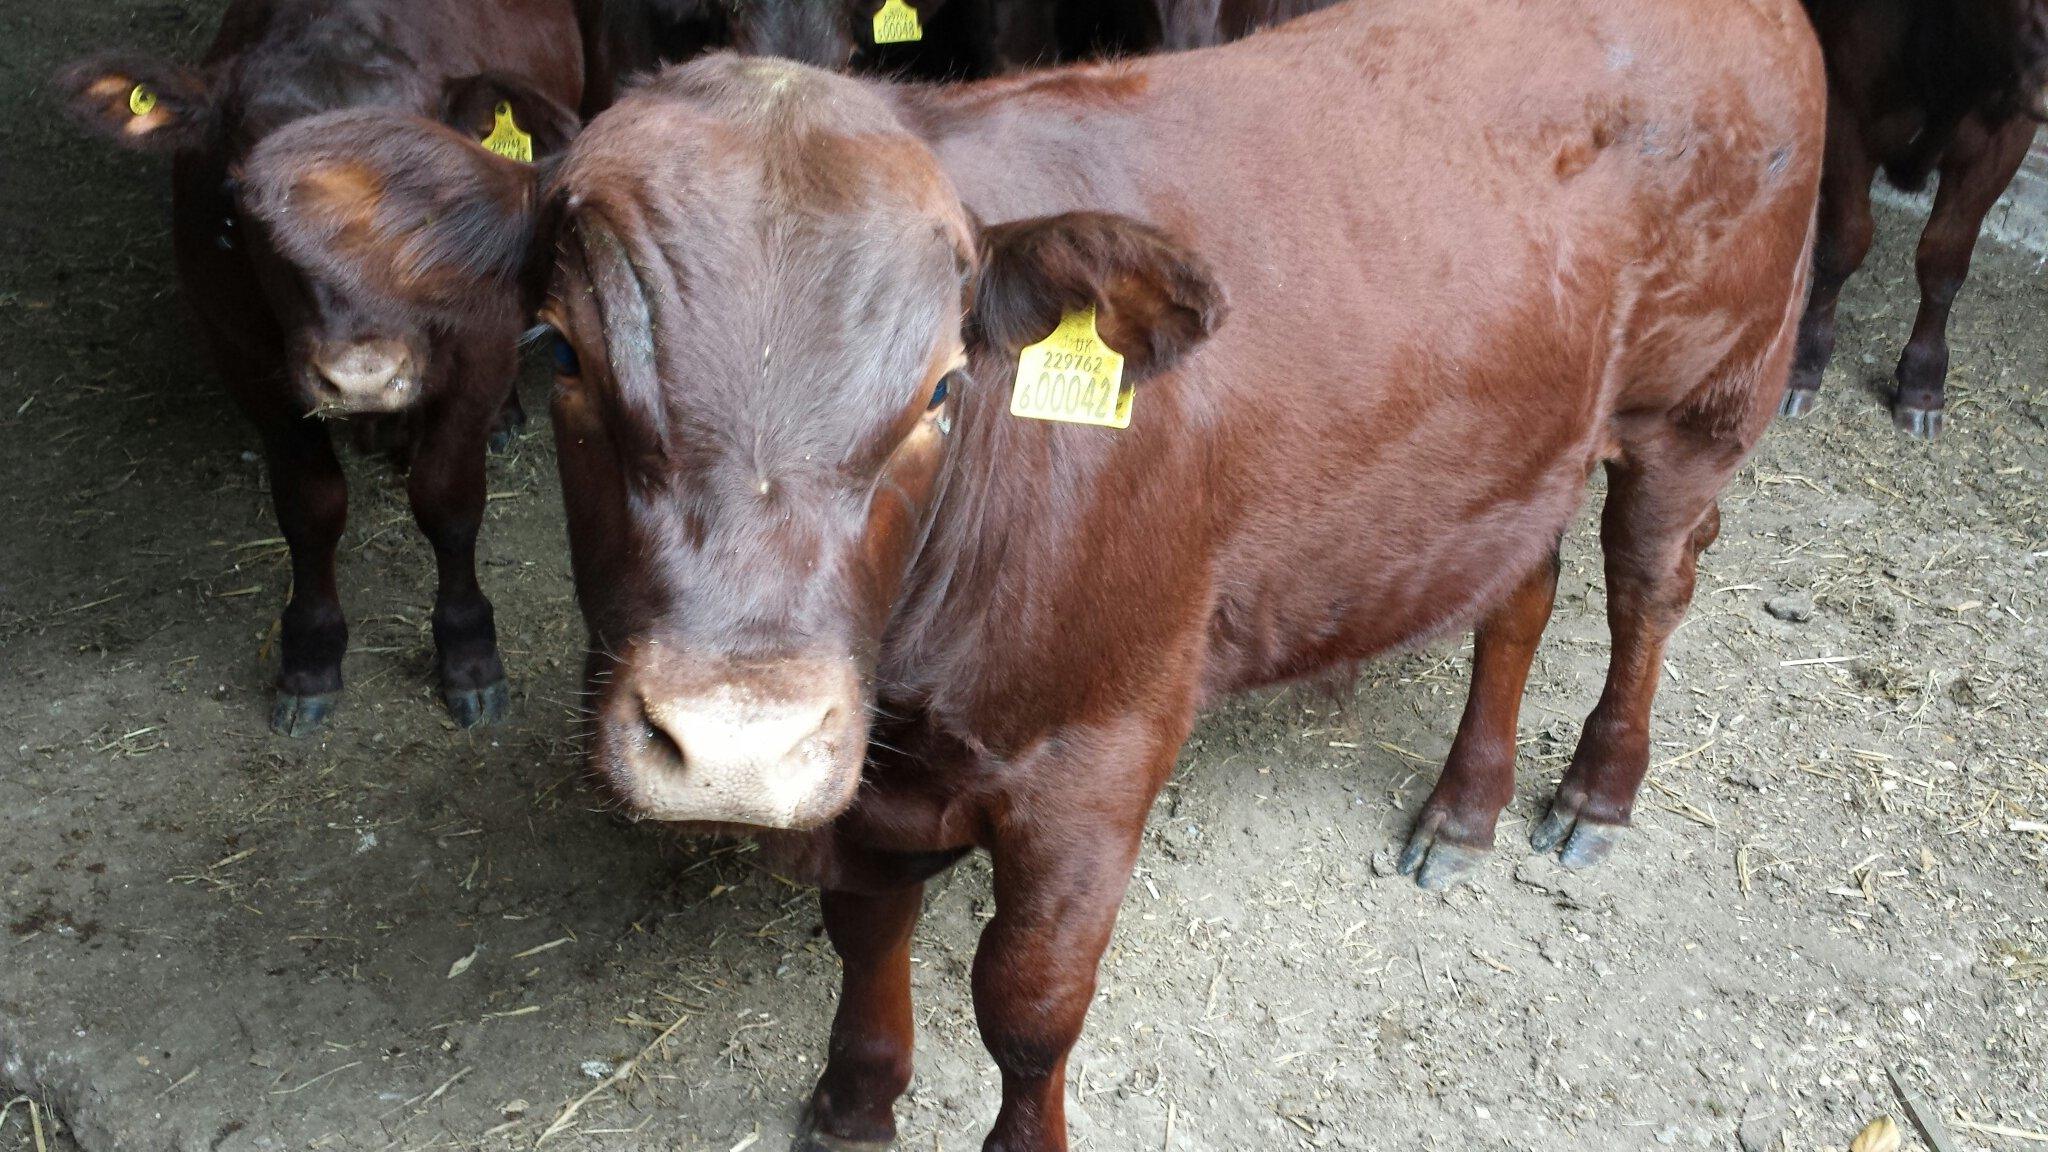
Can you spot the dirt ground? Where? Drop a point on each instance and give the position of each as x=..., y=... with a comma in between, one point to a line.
x=400, y=936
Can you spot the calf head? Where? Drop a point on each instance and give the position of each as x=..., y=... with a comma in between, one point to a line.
x=347, y=351
x=771, y=310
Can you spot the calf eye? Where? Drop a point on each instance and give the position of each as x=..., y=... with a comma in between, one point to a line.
x=939, y=393
x=566, y=363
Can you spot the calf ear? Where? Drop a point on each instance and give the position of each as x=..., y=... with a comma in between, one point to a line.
x=475, y=106
x=142, y=104
x=399, y=207
x=1154, y=300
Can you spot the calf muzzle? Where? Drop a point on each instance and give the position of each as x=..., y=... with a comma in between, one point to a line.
x=776, y=745
x=362, y=376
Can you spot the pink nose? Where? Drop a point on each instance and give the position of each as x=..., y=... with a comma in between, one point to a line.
x=366, y=371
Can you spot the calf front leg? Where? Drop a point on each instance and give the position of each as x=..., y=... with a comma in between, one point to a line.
x=1058, y=887
x=853, y=1107
x=446, y=487
x=1974, y=173
x=1455, y=829
x=310, y=495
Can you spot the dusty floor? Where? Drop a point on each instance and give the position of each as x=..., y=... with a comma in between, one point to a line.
x=400, y=936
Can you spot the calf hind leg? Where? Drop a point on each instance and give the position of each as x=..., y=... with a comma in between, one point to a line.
x=510, y=423
x=1455, y=829
x=1843, y=233
x=1973, y=175
x=1659, y=516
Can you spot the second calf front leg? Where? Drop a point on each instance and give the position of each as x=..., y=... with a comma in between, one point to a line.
x=447, y=492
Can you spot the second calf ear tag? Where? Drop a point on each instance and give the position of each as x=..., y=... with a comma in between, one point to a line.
x=897, y=23
x=1073, y=376
x=506, y=139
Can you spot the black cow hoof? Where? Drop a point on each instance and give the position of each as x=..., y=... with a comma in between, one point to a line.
x=1579, y=841
x=511, y=422
x=297, y=716
x=809, y=1139
x=1798, y=402
x=1919, y=423
x=1438, y=864
x=473, y=706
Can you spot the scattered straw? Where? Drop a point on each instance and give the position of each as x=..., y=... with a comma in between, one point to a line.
x=35, y=1121
x=1972, y=1125
x=317, y=1079
x=540, y=948
x=618, y=1076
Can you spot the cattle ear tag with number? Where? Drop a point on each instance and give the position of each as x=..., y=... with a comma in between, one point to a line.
x=896, y=23
x=141, y=100
x=1073, y=376
x=506, y=139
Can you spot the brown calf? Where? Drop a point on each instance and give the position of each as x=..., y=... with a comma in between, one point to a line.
x=1917, y=87
x=291, y=345
x=842, y=599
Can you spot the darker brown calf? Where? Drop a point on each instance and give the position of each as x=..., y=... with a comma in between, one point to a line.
x=1389, y=281
x=1917, y=87
x=290, y=345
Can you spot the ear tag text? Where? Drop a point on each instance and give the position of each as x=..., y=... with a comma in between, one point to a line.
x=141, y=100
x=1073, y=376
x=896, y=23
x=506, y=139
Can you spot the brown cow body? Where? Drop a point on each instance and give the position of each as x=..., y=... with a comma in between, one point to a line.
x=1917, y=87
x=288, y=347
x=882, y=623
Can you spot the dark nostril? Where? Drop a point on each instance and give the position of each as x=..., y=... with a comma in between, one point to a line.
x=657, y=739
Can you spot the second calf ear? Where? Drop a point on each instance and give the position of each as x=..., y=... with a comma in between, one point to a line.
x=508, y=116
x=143, y=104
x=398, y=207
x=1154, y=299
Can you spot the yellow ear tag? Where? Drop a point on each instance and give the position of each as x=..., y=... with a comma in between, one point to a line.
x=896, y=23
x=507, y=140
x=1073, y=376
x=141, y=100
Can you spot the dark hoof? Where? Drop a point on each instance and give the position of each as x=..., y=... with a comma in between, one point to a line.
x=1579, y=841
x=511, y=422
x=473, y=706
x=809, y=1139
x=1919, y=423
x=1437, y=863
x=297, y=716
x=1798, y=402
